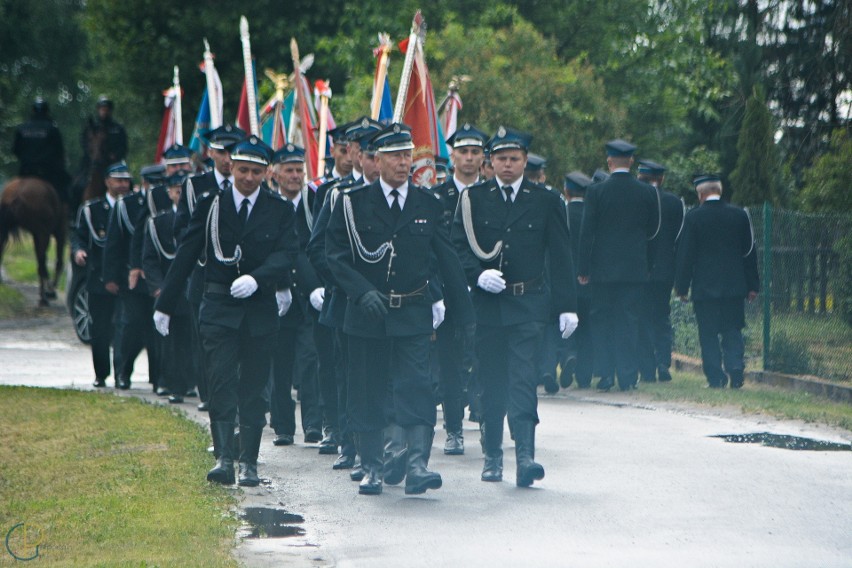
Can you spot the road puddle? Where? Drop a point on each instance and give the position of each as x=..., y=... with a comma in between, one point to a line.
x=785, y=442
x=264, y=522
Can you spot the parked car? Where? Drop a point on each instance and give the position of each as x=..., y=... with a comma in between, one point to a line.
x=77, y=299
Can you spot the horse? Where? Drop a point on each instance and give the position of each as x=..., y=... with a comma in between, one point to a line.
x=32, y=204
x=89, y=182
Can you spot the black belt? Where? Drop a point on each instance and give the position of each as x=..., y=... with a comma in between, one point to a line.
x=216, y=288
x=521, y=288
x=399, y=300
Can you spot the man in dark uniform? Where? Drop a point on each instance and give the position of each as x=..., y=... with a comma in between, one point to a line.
x=376, y=241
x=621, y=216
x=158, y=252
x=194, y=189
x=718, y=259
x=294, y=360
x=113, y=146
x=578, y=362
x=122, y=276
x=535, y=170
x=467, y=143
x=87, y=243
x=655, y=335
x=247, y=241
x=39, y=149
x=512, y=239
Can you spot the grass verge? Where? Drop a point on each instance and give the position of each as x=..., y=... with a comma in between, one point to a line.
x=103, y=480
x=12, y=302
x=753, y=399
x=19, y=260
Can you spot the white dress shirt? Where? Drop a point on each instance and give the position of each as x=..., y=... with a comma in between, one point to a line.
x=402, y=190
x=515, y=187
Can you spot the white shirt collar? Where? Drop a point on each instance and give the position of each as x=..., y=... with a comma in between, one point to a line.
x=111, y=200
x=402, y=190
x=460, y=185
x=516, y=186
x=356, y=174
x=220, y=178
x=620, y=171
x=713, y=198
x=334, y=173
x=575, y=200
x=238, y=198
x=295, y=201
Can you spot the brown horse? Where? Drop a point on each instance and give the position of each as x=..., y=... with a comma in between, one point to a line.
x=89, y=181
x=32, y=204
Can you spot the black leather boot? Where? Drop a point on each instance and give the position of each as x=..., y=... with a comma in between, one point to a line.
x=223, y=448
x=328, y=444
x=370, y=450
x=528, y=471
x=418, y=479
x=357, y=473
x=249, y=448
x=492, y=447
x=395, y=455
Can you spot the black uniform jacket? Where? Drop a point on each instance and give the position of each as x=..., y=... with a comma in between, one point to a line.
x=534, y=232
x=303, y=277
x=575, y=223
x=448, y=194
x=619, y=218
x=200, y=187
x=665, y=243
x=126, y=218
x=420, y=244
x=269, y=247
x=716, y=254
x=89, y=235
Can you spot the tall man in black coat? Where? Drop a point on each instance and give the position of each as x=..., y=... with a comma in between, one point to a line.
x=655, y=336
x=246, y=239
x=717, y=258
x=87, y=250
x=621, y=216
x=380, y=242
x=512, y=239
x=194, y=189
x=467, y=143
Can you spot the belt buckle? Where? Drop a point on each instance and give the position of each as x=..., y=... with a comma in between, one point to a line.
x=395, y=300
x=518, y=289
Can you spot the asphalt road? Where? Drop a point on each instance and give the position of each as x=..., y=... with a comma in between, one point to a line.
x=628, y=483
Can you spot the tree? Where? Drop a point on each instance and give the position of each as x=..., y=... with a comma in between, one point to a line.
x=757, y=176
x=828, y=181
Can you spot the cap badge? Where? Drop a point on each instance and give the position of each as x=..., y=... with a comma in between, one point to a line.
x=396, y=129
x=290, y=148
x=365, y=123
x=501, y=132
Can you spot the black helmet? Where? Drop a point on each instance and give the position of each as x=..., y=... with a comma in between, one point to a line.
x=40, y=106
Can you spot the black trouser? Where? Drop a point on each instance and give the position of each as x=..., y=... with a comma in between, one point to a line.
x=294, y=358
x=102, y=312
x=341, y=374
x=508, y=371
x=196, y=353
x=581, y=345
x=138, y=332
x=451, y=376
x=176, y=355
x=324, y=344
x=237, y=367
x=615, y=329
x=395, y=365
x=721, y=319
x=655, y=332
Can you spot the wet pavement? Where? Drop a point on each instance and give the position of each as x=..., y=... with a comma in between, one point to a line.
x=628, y=482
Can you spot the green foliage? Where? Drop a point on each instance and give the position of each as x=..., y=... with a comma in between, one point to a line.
x=843, y=278
x=789, y=355
x=757, y=176
x=828, y=181
x=681, y=170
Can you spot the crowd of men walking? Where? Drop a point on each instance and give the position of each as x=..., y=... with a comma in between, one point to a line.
x=379, y=299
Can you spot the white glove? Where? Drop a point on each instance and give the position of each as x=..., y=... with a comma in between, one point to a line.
x=285, y=300
x=567, y=324
x=491, y=280
x=161, y=322
x=317, y=298
x=243, y=287
x=438, y=313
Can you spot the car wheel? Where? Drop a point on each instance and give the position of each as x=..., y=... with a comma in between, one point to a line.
x=80, y=314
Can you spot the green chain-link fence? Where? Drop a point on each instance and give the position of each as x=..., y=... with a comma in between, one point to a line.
x=803, y=312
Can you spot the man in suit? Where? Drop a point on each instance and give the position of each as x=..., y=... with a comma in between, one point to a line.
x=376, y=241
x=655, y=336
x=578, y=362
x=512, y=238
x=294, y=360
x=467, y=144
x=194, y=189
x=246, y=239
x=717, y=258
x=87, y=246
x=620, y=217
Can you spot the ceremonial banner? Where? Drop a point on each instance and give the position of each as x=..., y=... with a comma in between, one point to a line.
x=303, y=130
x=169, y=129
x=381, y=105
x=449, y=120
x=243, y=116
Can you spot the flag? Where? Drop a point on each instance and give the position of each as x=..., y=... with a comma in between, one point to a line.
x=449, y=120
x=243, y=120
x=204, y=120
x=381, y=85
x=420, y=113
x=167, y=126
x=304, y=132
x=386, y=106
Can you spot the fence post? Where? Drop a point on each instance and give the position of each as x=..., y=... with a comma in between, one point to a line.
x=767, y=282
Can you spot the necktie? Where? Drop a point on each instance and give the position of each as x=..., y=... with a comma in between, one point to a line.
x=226, y=185
x=507, y=189
x=244, y=207
x=395, y=207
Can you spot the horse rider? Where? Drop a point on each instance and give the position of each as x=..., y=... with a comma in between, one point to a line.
x=113, y=147
x=39, y=149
